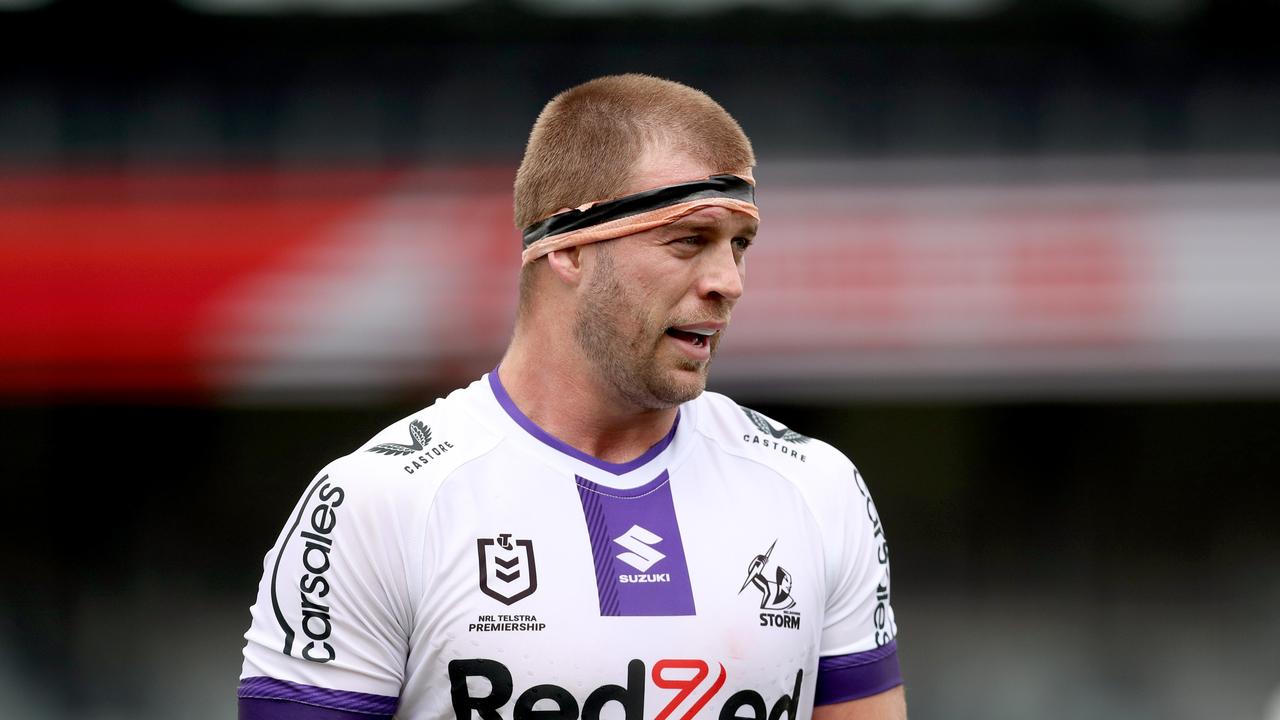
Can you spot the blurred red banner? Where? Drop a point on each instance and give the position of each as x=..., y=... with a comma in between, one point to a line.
x=214, y=284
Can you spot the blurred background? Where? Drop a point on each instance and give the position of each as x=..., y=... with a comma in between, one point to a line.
x=1019, y=260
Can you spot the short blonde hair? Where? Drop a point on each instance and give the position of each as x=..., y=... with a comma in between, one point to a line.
x=588, y=139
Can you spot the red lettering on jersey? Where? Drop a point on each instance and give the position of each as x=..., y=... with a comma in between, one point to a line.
x=685, y=685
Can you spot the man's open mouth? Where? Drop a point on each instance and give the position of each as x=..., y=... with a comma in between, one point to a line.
x=697, y=338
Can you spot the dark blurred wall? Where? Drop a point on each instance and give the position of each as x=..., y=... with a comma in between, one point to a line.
x=127, y=518
x=94, y=83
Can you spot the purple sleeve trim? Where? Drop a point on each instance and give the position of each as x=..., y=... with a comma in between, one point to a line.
x=859, y=675
x=259, y=709
x=264, y=698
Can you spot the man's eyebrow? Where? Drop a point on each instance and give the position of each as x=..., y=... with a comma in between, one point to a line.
x=704, y=226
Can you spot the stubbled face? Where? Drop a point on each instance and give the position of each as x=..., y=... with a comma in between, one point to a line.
x=653, y=306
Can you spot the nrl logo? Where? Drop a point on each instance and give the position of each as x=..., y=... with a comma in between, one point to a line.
x=779, y=433
x=508, y=572
x=419, y=432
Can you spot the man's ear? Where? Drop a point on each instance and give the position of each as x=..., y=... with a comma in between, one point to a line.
x=566, y=264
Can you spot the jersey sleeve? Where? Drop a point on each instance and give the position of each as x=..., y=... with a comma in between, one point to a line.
x=330, y=628
x=858, y=651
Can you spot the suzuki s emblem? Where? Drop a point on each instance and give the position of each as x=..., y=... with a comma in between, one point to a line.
x=639, y=542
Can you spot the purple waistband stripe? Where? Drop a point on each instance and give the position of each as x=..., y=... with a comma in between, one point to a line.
x=273, y=692
x=857, y=675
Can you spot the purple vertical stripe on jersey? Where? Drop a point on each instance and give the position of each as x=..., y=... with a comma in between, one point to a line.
x=849, y=677
x=532, y=428
x=259, y=695
x=610, y=515
x=593, y=509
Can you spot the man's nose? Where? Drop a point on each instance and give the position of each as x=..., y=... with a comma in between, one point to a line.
x=724, y=273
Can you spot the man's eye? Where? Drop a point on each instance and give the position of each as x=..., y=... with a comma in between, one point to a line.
x=742, y=243
x=691, y=240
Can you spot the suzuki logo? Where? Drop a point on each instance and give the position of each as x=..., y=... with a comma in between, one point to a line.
x=639, y=542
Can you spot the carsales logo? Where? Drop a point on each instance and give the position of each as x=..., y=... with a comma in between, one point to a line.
x=694, y=682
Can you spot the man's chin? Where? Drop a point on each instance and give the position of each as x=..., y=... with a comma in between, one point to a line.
x=683, y=383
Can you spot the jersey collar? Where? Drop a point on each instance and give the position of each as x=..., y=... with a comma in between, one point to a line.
x=537, y=433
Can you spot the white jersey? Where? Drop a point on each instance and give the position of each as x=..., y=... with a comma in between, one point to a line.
x=465, y=564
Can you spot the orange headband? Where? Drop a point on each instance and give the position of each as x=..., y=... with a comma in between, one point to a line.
x=612, y=219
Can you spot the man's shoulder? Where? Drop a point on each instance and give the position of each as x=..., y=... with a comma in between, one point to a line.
x=742, y=431
x=820, y=473
x=419, y=451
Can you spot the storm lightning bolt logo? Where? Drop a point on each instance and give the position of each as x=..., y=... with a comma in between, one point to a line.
x=774, y=594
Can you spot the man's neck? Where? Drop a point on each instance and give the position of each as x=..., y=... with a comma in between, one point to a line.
x=566, y=398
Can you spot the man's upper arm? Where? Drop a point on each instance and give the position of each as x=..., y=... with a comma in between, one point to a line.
x=329, y=633
x=858, y=661
x=888, y=705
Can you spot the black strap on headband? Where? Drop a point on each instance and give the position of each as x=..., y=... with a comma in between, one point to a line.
x=729, y=186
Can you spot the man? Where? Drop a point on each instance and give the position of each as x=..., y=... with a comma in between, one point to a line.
x=583, y=532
